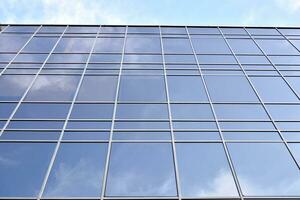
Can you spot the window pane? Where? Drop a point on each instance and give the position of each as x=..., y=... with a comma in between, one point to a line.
x=12, y=87
x=141, y=135
x=253, y=160
x=141, y=125
x=51, y=88
x=24, y=29
x=277, y=47
x=143, y=45
x=22, y=176
x=204, y=170
x=210, y=46
x=77, y=171
x=240, y=111
x=174, y=45
x=133, y=29
x=73, y=45
x=40, y=44
x=30, y=135
x=284, y=112
x=173, y=30
x=230, y=89
x=216, y=59
x=42, y=110
x=197, y=135
x=86, y=135
x=191, y=111
x=142, y=88
x=6, y=109
x=186, y=88
x=141, y=169
x=92, y=111
x=12, y=43
x=98, y=88
x=255, y=135
x=243, y=46
x=142, y=58
x=111, y=45
x=266, y=89
x=142, y=111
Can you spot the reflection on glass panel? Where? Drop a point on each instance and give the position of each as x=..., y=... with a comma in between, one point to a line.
x=179, y=59
x=230, y=89
x=40, y=44
x=142, y=88
x=281, y=47
x=296, y=43
x=112, y=29
x=22, y=176
x=35, y=124
x=259, y=60
x=233, y=31
x=295, y=147
x=28, y=58
x=142, y=135
x=186, y=88
x=77, y=171
x=210, y=46
x=92, y=111
x=291, y=136
x=128, y=58
x=143, y=45
x=98, y=88
x=110, y=45
x=42, y=110
x=194, y=125
x=52, y=29
x=253, y=160
x=262, y=31
x=295, y=83
x=135, y=29
x=6, y=109
x=204, y=170
x=153, y=125
x=177, y=45
x=216, y=59
x=197, y=135
x=12, y=87
x=73, y=45
x=173, y=30
x=142, y=111
x=85, y=135
x=50, y=88
x=288, y=126
x=82, y=29
x=23, y=29
x=240, y=111
x=284, y=112
x=255, y=135
x=243, y=46
x=68, y=58
x=202, y=30
x=88, y=125
x=191, y=111
x=30, y=135
x=266, y=89
x=104, y=58
x=12, y=43
x=247, y=126
x=141, y=169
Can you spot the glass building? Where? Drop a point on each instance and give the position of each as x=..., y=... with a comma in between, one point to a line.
x=149, y=112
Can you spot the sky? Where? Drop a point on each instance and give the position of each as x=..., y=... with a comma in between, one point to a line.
x=163, y=12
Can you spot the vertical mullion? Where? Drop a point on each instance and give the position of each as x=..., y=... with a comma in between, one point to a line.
x=217, y=122
x=66, y=120
x=30, y=85
x=257, y=94
x=170, y=120
x=113, y=120
x=30, y=38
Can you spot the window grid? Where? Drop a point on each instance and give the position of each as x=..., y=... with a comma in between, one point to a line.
x=263, y=104
x=173, y=140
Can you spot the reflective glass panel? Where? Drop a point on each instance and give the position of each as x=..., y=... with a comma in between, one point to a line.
x=143, y=45
x=142, y=111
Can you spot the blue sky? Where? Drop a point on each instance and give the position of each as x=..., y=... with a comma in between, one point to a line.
x=185, y=12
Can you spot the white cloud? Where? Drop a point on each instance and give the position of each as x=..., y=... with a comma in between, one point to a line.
x=290, y=5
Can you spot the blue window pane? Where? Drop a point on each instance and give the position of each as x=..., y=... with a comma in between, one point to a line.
x=98, y=88
x=92, y=111
x=86, y=135
x=6, y=109
x=74, y=45
x=12, y=43
x=40, y=44
x=35, y=125
x=210, y=46
x=42, y=110
x=141, y=125
x=88, y=125
x=109, y=45
x=197, y=135
x=255, y=135
x=143, y=45
x=22, y=176
x=133, y=29
x=216, y=59
x=12, y=87
x=243, y=46
x=247, y=126
x=186, y=88
x=265, y=169
x=141, y=169
x=280, y=47
x=30, y=135
x=284, y=112
x=240, y=112
x=194, y=125
x=140, y=135
x=104, y=58
x=176, y=45
x=265, y=87
x=68, y=58
x=230, y=89
x=51, y=88
x=77, y=171
x=23, y=29
x=142, y=88
x=191, y=111
x=204, y=170
x=142, y=111
x=129, y=58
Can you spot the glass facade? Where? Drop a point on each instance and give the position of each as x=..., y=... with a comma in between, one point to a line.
x=149, y=112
